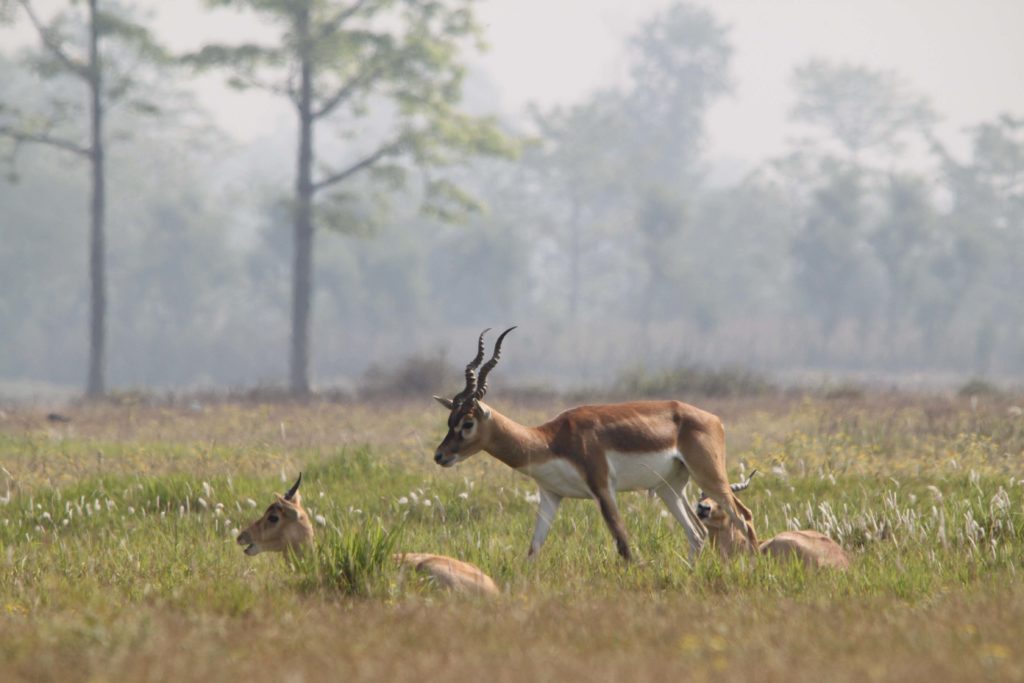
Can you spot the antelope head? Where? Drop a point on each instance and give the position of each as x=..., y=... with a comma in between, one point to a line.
x=469, y=418
x=721, y=530
x=283, y=527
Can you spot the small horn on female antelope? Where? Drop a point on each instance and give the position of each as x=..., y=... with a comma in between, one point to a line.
x=295, y=487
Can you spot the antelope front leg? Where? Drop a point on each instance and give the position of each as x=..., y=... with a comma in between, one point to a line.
x=672, y=496
x=610, y=512
x=549, y=503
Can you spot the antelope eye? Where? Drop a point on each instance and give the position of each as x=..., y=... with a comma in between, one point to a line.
x=272, y=519
x=467, y=425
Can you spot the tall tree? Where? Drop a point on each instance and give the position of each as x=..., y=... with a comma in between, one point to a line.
x=860, y=108
x=101, y=48
x=679, y=65
x=985, y=228
x=580, y=187
x=829, y=252
x=679, y=62
x=859, y=121
x=386, y=72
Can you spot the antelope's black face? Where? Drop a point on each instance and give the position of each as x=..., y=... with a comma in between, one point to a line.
x=466, y=426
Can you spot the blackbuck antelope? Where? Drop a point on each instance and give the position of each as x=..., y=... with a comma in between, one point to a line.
x=814, y=549
x=285, y=527
x=596, y=451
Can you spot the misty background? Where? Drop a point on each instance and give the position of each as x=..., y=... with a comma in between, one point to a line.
x=799, y=188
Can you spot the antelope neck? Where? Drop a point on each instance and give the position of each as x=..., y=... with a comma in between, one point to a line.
x=517, y=445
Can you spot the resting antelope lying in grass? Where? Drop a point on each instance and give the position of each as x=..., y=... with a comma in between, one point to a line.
x=814, y=549
x=595, y=451
x=285, y=527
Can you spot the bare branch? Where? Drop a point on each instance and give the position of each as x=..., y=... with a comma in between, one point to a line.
x=43, y=139
x=344, y=92
x=250, y=81
x=340, y=18
x=364, y=163
x=52, y=45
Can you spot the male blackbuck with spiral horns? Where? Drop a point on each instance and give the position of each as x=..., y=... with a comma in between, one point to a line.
x=595, y=451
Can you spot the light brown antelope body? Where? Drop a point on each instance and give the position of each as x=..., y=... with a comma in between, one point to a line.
x=814, y=549
x=285, y=527
x=594, y=451
x=456, y=575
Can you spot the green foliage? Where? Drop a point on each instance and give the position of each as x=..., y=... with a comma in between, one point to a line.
x=357, y=562
x=357, y=68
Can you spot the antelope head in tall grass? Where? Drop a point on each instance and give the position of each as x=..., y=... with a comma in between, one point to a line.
x=814, y=549
x=284, y=526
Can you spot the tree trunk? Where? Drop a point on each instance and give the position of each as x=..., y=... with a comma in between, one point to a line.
x=96, y=385
x=302, y=273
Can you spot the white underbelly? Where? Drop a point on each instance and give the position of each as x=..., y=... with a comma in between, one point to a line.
x=626, y=472
x=559, y=476
x=632, y=471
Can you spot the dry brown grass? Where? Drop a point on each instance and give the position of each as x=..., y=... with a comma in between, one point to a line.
x=966, y=636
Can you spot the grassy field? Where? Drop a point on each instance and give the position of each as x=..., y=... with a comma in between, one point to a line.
x=118, y=561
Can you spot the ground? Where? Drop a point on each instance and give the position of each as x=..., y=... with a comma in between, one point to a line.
x=118, y=561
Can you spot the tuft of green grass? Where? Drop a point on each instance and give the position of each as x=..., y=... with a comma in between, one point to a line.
x=357, y=562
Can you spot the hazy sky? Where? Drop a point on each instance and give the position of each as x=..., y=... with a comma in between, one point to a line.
x=966, y=55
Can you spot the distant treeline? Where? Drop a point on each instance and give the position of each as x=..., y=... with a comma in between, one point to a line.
x=868, y=247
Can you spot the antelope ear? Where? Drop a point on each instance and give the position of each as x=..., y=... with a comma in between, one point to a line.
x=289, y=508
x=446, y=402
x=744, y=510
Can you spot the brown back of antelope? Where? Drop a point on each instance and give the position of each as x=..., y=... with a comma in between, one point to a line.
x=455, y=575
x=814, y=549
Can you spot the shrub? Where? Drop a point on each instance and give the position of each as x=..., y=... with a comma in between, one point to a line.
x=692, y=380
x=978, y=387
x=417, y=375
x=357, y=562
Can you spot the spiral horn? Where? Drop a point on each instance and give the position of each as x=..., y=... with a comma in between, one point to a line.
x=471, y=380
x=743, y=484
x=489, y=365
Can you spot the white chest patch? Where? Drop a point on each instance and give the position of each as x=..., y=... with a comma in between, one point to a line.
x=559, y=476
x=632, y=471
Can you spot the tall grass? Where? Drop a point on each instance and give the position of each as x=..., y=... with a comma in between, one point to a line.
x=124, y=562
